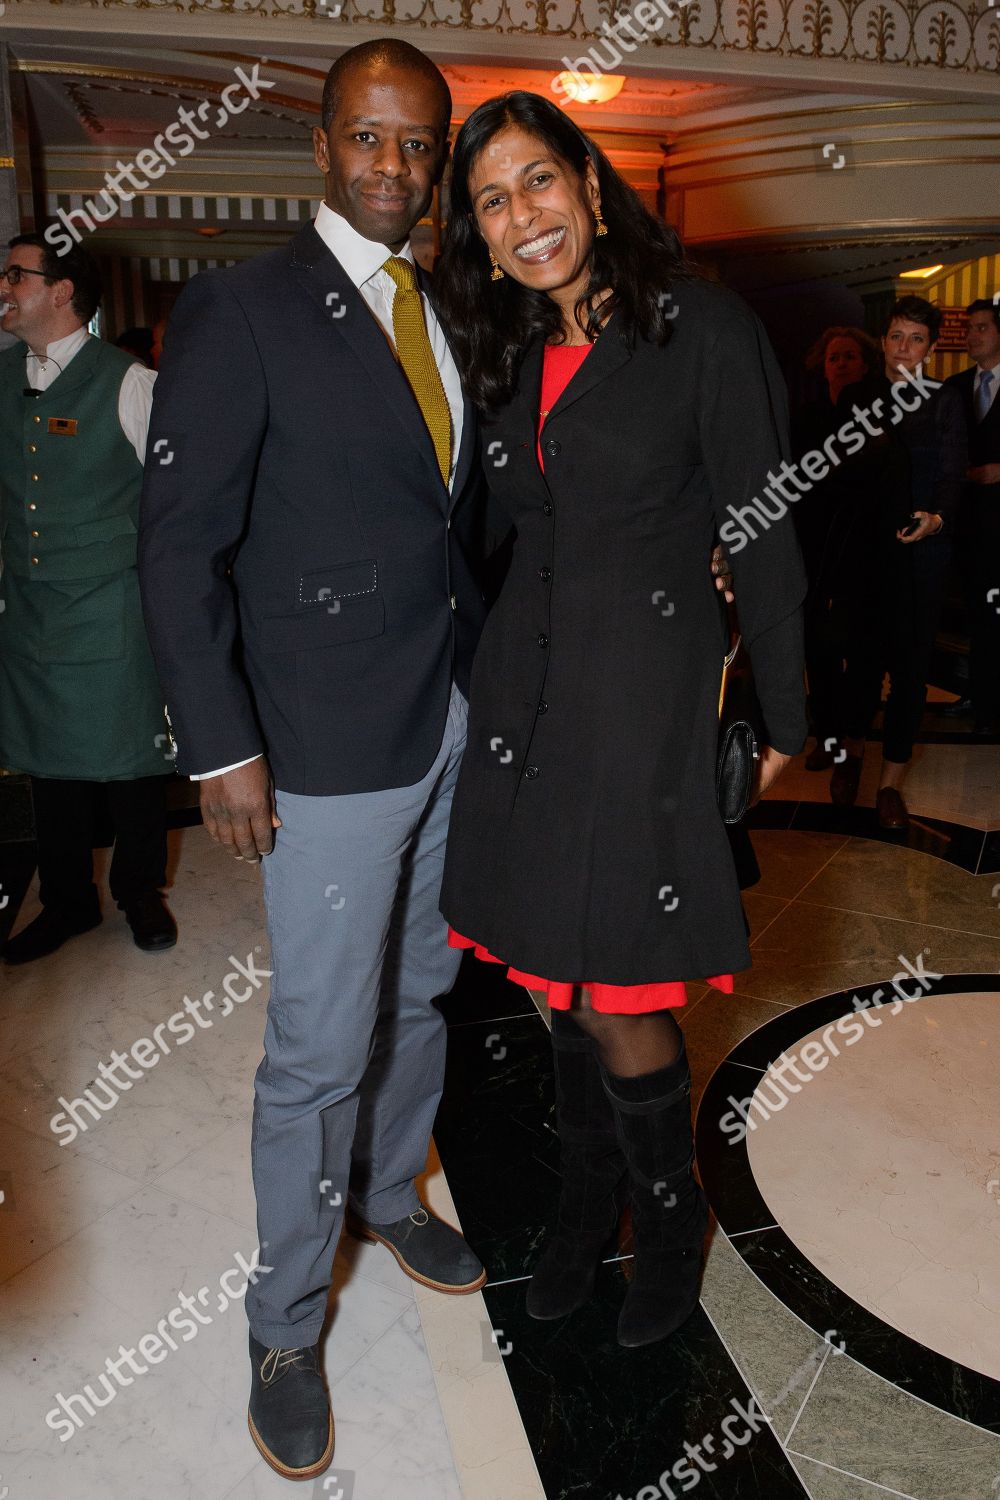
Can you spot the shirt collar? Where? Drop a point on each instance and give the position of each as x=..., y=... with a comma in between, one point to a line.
x=62, y=350
x=990, y=370
x=360, y=258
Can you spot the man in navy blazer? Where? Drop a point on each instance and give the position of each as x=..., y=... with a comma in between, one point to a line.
x=979, y=521
x=312, y=604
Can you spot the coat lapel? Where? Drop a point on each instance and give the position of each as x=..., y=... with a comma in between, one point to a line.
x=608, y=355
x=321, y=275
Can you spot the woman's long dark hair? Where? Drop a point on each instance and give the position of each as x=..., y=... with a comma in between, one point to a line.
x=490, y=323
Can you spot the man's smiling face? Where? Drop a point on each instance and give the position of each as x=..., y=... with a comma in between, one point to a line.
x=384, y=152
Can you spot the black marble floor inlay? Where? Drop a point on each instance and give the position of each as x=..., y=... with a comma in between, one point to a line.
x=607, y=1423
x=723, y=1120
x=602, y=1421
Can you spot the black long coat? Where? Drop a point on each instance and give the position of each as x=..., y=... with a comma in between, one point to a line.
x=586, y=843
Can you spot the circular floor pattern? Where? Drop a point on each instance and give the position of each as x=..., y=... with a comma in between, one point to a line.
x=851, y=1151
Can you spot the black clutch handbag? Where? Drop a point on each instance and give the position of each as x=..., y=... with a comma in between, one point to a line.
x=740, y=730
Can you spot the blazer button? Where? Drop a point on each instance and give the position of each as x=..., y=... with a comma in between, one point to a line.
x=32, y=447
x=545, y=574
x=543, y=707
x=546, y=509
x=552, y=447
x=34, y=559
x=530, y=772
x=543, y=639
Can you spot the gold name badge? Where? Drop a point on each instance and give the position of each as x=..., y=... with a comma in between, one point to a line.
x=63, y=426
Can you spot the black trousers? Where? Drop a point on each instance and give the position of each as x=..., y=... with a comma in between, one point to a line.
x=980, y=559
x=854, y=638
x=68, y=818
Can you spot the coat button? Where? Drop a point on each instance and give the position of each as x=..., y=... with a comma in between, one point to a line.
x=545, y=574
x=530, y=772
x=36, y=419
x=543, y=707
x=34, y=533
x=543, y=639
x=32, y=447
x=35, y=477
x=552, y=447
x=32, y=505
x=34, y=559
x=546, y=509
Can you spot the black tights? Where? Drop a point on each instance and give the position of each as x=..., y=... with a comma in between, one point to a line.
x=629, y=1046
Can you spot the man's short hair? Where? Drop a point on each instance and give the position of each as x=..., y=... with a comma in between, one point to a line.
x=76, y=266
x=392, y=53
x=984, y=304
x=916, y=310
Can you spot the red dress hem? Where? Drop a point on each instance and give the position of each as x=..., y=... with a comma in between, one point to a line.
x=610, y=999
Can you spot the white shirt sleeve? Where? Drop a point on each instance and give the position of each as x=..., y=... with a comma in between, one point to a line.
x=206, y=775
x=135, y=402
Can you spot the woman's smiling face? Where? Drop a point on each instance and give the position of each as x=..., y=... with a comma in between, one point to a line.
x=534, y=211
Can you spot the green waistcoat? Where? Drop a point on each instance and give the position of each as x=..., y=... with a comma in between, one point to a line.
x=78, y=693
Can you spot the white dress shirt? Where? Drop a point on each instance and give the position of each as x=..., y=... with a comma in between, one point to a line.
x=992, y=390
x=363, y=261
x=135, y=397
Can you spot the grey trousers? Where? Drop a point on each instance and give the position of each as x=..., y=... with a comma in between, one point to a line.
x=346, y=1095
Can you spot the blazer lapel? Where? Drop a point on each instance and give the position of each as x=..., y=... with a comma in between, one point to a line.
x=608, y=355
x=321, y=275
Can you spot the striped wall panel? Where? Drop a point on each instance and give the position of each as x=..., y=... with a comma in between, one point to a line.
x=166, y=208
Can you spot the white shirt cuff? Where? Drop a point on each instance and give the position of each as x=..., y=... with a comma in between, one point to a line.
x=206, y=775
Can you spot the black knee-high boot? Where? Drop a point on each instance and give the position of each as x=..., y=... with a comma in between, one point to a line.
x=593, y=1177
x=669, y=1209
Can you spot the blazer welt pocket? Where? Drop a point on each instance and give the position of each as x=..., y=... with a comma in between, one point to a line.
x=337, y=605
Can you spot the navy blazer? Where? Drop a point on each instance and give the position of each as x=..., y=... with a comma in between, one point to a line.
x=984, y=436
x=309, y=585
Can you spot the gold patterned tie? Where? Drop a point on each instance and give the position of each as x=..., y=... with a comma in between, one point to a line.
x=417, y=358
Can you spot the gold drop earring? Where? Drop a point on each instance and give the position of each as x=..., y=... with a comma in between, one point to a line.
x=602, y=228
x=497, y=272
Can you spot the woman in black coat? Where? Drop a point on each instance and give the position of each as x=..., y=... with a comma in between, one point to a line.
x=629, y=410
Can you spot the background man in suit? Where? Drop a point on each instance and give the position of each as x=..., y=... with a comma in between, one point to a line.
x=80, y=706
x=979, y=521
x=310, y=504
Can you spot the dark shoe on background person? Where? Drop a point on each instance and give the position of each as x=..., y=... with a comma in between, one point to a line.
x=669, y=1209
x=845, y=781
x=289, y=1416
x=153, y=928
x=593, y=1175
x=891, y=809
x=53, y=926
x=819, y=758
x=962, y=709
x=427, y=1249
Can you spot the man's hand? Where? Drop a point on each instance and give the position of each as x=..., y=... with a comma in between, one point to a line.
x=769, y=768
x=722, y=573
x=930, y=525
x=238, y=810
x=985, y=474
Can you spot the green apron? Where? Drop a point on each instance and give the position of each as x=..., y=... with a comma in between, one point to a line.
x=79, y=696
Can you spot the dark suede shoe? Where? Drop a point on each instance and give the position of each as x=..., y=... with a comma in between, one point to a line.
x=51, y=928
x=153, y=928
x=290, y=1418
x=428, y=1250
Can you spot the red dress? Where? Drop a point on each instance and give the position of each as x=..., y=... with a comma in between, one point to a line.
x=561, y=362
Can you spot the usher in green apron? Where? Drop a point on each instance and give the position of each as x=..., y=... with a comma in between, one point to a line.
x=78, y=693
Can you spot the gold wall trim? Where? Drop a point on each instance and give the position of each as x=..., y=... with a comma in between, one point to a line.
x=935, y=35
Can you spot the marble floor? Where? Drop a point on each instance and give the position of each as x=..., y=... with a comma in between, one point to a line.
x=839, y=1301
